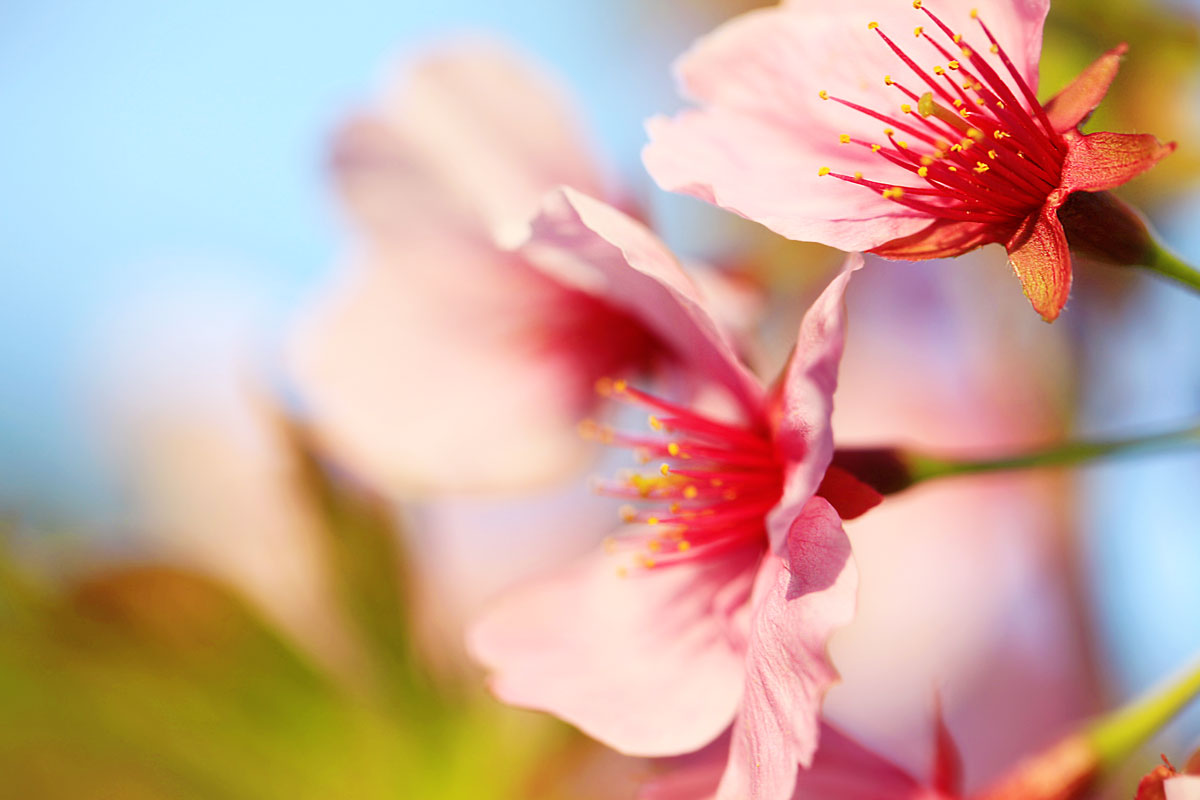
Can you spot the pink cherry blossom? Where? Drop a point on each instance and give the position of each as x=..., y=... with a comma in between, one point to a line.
x=714, y=602
x=438, y=359
x=793, y=100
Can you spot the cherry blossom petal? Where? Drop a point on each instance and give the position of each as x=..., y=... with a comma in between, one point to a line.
x=493, y=130
x=1182, y=787
x=1039, y=255
x=586, y=244
x=396, y=384
x=803, y=433
x=1072, y=106
x=799, y=601
x=943, y=238
x=1099, y=161
x=650, y=663
x=842, y=769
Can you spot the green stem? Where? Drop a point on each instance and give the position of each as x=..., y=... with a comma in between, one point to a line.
x=1117, y=735
x=924, y=467
x=1166, y=263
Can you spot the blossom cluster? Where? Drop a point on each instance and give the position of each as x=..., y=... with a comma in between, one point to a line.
x=530, y=314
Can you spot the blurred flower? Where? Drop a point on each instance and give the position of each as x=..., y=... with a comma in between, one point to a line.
x=738, y=572
x=439, y=359
x=1164, y=782
x=991, y=163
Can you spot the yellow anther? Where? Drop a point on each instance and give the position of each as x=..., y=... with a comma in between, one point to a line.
x=999, y=104
x=684, y=546
x=925, y=104
x=872, y=26
x=858, y=176
x=965, y=113
x=974, y=13
x=952, y=64
x=654, y=545
x=979, y=101
x=992, y=155
x=958, y=102
x=648, y=562
x=956, y=148
x=917, y=31
x=690, y=492
x=923, y=171
x=673, y=448
x=628, y=514
x=916, y=3
x=888, y=131
x=887, y=80
x=953, y=168
x=665, y=469
x=966, y=52
x=824, y=95
x=656, y=423
x=977, y=86
x=875, y=148
x=981, y=167
x=1020, y=154
x=957, y=38
x=844, y=138
x=967, y=85
x=967, y=144
x=939, y=70
x=926, y=161
x=893, y=193
x=619, y=387
x=903, y=145
x=995, y=49
x=1000, y=134
x=975, y=134
x=906, y=108
x=651, y=520
x=823, y=171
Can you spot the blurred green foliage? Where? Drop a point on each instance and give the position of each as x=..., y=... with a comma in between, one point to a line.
x=152, y=681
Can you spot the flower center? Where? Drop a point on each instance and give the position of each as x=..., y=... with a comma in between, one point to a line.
x=712, y=489
x=980, y=153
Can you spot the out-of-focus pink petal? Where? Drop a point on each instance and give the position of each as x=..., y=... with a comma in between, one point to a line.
x=1039, y=255
x=1073, y=105
x=403, y=390
x=588, y=245
x=943, y=238
x=763, y=129
x=799, y=601
x=1099, y=161
x=492, y=130
x=1182, y=787
x=649, y=663
x=803, y=433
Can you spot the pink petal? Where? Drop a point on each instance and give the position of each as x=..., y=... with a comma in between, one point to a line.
x=803, y=433
x=1039, y=255
x=481, y=125
x=842, y=769
x=943, y=238
x=1073, y=105
x=798, y=604
x=1182, y=787
x=405, y=394
x=586, y=244
x=1099, y=161
x=650, y=664
x=763, y=131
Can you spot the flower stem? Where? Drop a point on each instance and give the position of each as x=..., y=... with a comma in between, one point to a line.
x=923, y=467
x=1117, y=735
x=1166, y=263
